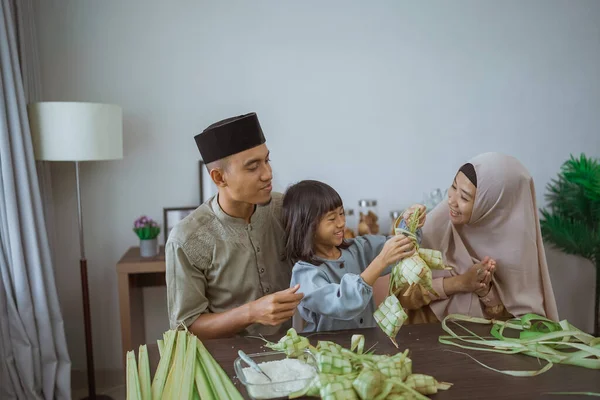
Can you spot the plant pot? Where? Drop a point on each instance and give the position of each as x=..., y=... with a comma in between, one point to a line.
x=149, y=247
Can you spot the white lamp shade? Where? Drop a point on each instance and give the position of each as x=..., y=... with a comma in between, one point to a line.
x=72, y=131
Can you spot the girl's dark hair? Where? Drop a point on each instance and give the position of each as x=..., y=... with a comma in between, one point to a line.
x=469, y=170
x=304, y=205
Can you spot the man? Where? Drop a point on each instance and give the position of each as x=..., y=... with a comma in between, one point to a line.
x=225, y=273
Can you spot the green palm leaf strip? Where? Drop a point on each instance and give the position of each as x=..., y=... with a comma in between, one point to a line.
x=539, y=337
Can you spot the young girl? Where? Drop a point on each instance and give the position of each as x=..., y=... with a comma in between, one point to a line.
x=335, y=275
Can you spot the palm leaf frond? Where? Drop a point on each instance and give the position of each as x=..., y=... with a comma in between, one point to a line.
x=584, y=172
x=570, y=236
x=572, y=221
x=568, y=199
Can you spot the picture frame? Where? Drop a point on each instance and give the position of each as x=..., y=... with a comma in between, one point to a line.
x=172, y=215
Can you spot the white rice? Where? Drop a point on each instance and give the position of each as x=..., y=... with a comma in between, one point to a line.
x=292, y=375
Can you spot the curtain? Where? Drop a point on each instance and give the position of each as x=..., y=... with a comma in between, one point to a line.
x=34, y=361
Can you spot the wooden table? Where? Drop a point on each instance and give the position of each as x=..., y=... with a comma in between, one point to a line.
x=471, y=381
x=134, y=273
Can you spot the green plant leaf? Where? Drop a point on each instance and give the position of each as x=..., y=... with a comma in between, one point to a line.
x=584, y=172
x=572, y=221
x=569, y=235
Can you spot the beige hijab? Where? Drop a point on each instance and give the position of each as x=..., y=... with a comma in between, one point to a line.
x=504, y=226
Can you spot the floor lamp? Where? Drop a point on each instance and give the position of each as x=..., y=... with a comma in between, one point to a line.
x=73, y=131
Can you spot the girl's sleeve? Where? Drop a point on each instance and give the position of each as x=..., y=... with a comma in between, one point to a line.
x=344, y=301
x=369, y=247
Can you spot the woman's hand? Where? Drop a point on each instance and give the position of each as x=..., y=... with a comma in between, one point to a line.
x=478, y=278
x=412, y=209
x=487, y=279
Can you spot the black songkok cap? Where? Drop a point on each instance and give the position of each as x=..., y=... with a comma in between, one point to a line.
x=229, y=136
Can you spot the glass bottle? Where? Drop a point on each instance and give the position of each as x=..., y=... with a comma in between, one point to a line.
x=350, y=231
x=368, y=217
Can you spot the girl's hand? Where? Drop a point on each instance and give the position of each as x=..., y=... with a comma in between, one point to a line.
x=396, y=249
x=410, y=210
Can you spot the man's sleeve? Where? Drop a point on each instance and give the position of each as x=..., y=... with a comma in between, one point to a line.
x=186, y=286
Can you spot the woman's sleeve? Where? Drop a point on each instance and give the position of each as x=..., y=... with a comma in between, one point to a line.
x=492, y=305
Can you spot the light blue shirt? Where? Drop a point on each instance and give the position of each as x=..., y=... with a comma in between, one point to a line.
x=335, y=295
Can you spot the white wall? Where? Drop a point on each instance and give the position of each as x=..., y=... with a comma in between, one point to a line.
x=382, y=100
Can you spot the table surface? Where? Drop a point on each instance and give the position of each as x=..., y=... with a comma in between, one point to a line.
x=470, y=380
x=133, y=263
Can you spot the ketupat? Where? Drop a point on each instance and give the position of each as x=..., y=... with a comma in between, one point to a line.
x=417, y=268
x=325, y=345
x=426, y=384
x=369, y=384
x=397, y=366
x=390, y=316
x=291, y=344
x=408, y=273
x=314, y=387
x=345, y=374
x=339, y=390
x=333, y=363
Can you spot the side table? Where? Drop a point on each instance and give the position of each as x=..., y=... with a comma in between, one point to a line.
x=134, y=273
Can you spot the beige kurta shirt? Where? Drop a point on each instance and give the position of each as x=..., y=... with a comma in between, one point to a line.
x=216, y=262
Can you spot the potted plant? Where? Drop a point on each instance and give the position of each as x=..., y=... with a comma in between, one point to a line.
x=572, y=221
x=147, y=230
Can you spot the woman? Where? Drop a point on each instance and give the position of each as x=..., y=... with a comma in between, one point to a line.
x=489, y=232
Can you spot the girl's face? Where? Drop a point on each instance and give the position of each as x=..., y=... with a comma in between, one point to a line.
x=461, y=198
x=330, y=231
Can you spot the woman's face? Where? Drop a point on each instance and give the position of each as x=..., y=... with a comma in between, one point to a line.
x=461, y=198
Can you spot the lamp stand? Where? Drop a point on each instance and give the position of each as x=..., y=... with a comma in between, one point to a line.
x=86, y=301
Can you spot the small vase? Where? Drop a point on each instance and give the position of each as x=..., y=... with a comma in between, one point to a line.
x=149, y=247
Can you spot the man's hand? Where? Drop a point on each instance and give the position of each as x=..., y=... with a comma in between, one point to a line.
x=273, y=309
x=276, y=308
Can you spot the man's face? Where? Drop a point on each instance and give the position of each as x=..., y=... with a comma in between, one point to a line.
x=248, y=176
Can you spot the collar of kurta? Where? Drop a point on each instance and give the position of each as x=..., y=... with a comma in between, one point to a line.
x=260, y=213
